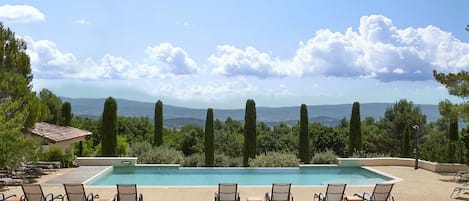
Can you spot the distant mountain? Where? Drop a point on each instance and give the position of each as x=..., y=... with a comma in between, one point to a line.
x=177, y=116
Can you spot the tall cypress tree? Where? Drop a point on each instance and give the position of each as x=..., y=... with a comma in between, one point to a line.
x=355, y=134
x=109, y=121
x=66, y=115
x=158, y=137
x=249, y=132
x=305, y=150
x=209, y=150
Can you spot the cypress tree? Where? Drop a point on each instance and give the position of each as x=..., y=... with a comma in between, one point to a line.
x=109, y=123
x=158, y=137
x=406, y=144
x=66, y=115
x=209, y=150
x=249, y=132
x=355, y=134
x=305, y=150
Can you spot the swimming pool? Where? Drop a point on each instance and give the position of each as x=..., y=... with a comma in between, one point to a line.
x=175, y=176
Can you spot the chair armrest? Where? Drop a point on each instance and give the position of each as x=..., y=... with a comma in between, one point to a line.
x=10, y=196
x=140, y=197
x=49, y=197
x=57, y=197
x=215, y=195
x=318, y=196
x=89, y=197
x=238, y=198
x=392, y=198
x=267, y=196
x=22, y=198
x=115, y=197
x=291, y=196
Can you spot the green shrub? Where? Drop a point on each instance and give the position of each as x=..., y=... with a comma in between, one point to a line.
x=194, y=160
x=162, y=155
x=139, y=148
x=327, y=157
x=222, y=160
x=275, y=159
x=52, y=154
x=122, y=146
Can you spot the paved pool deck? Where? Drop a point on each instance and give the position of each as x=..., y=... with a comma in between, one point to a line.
x=416, y=185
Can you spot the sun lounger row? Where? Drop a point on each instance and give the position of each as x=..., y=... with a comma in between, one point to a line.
x=76, y=192
x=282, y=192
x=226, y=192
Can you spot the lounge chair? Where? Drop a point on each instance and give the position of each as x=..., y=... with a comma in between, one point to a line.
x=280, y=192
x=76, y=192
x=334, y=192
x=459, y=189
x=127, y=192
x=381, y=192
x=227, y=192
x=3, y=197
x=33, y=192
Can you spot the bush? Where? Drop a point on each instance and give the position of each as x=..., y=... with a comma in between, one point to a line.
x=327, y=157
x=275, y=159
x=194, y=160
x=53, y=154
x=161, y=155
x=222, y=160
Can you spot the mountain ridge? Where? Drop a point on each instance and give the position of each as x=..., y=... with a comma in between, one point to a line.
x=326, y=114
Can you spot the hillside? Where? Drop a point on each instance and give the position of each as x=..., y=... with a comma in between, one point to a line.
x=176, y=116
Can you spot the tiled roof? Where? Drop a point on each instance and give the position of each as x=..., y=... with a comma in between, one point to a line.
x=57, y=133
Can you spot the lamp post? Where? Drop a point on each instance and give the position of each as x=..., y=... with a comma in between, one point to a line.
x=416, y=150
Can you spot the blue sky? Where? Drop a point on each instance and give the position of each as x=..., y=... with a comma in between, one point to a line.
x=220, y=53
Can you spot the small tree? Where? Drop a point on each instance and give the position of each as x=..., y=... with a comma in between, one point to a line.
x=355, y=134
x=305, y=150
x=209, y=147
x=249, y=132
x=158, y=137
x=109, y=123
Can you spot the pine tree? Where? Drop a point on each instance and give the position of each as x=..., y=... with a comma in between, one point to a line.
x=158, y=137
x=355, y=136
x=249, y=132
x=19, y=107
x=453, y=130
x=305, y=150
x=209, y=144
x=406, y=143
x=109, y=123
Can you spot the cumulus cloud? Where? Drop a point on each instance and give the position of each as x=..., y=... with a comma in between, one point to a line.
x=48, y=61
x=170, y=59
x=20, y=14
x=378, y=50
x=230, y=61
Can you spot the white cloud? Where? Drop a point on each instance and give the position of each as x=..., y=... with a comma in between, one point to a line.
x=20, y=14
x=48, y=61
x=378, y=50
x=82, y=22
x=232, y=61
x=169, y=59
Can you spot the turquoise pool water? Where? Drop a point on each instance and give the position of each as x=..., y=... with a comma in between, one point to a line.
x=174, y=176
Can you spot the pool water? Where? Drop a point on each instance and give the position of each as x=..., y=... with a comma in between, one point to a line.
x=175, y=176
